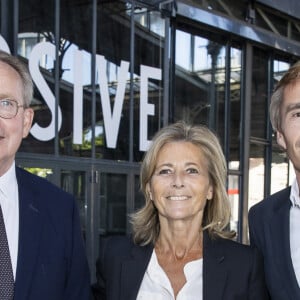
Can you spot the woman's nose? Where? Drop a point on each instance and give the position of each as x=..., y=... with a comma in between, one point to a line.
x=178, y=181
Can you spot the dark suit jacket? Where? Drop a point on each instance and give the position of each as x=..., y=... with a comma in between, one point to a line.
x=231, y=271
x=269, y=227
x=51, y=264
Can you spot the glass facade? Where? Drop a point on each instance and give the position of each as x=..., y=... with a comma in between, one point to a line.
x=109, y=74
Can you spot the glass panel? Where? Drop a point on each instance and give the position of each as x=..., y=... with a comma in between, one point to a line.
x=139, y=197
x=256, y=174
x=75, y=183
x=75, y=78
x=234, y=197
x=141, y=16
x=148, y=84
x=36, y=25
x=113, y=208
x=112, y=80
x=259, y=100
x=200, y=80
x=113, y=104
x=235, y=104
x=279, y=69
x=157, y=23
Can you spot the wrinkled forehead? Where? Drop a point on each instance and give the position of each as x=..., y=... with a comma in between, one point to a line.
x=11, y=84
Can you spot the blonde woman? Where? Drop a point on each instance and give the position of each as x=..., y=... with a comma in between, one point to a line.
x=180, y=247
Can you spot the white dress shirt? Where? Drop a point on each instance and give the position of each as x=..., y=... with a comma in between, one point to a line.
x=294, y=229
x=9, y=200
x=156, y=284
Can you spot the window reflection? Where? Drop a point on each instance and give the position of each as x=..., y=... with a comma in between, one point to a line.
x=75, y=183
x=234, y=197
x=195, y=79
x=259, y=93
x=256, y=175
x=26, y=41
x=36, y=24
x=202, y=94
x=234, y=107
x=139, y=199
x=80, y=100
x=113, y=208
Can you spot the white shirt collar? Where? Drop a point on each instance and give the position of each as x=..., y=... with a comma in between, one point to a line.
x=156, y=285
x=294, y=196
x=7, y=181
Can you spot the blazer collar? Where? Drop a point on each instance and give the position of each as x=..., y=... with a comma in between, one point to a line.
x=30, y=226
x=279, y=228
x=214, y=270
x=133, y=271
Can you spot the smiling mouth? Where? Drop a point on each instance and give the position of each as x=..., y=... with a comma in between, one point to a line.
x=178, y=198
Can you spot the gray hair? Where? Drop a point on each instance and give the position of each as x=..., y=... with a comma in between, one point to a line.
x=23, y=72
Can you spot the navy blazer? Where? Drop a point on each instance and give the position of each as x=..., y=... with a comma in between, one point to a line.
x=231, y=271
x=269, y=227
x=51, y=263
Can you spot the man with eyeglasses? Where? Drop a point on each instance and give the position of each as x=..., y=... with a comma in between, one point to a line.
x=42, y=255
x=9, y=108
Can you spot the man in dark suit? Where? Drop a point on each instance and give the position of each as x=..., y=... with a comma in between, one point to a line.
x=274, y=222
x=43, y=235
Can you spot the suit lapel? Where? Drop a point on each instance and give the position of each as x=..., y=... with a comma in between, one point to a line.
x=30, y=226
x=214, y=271
x=280, y=238
x=133, y=271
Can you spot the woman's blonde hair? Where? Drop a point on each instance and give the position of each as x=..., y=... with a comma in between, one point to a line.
x=145, y=222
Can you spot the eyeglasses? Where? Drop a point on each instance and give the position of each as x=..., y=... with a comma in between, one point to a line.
x=9, y=108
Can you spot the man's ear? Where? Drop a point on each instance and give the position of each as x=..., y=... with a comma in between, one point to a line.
x=280, y=140
x=27, y=121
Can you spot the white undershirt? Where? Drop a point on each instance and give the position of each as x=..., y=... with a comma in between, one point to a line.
x=294, y=229
x=156, y=284
x=9, y=200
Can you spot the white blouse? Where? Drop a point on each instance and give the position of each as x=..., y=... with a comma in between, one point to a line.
x=156, y=284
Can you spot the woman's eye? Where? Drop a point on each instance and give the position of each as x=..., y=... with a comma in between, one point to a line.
x=192, y=171
x=164, y=171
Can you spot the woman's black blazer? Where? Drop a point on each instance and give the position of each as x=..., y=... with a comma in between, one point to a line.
x=231, y=271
